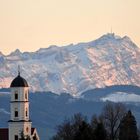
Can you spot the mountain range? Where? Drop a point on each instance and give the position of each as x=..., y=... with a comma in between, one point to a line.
x=74, y=69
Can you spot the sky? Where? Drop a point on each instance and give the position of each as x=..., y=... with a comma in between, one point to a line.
x=32, y=24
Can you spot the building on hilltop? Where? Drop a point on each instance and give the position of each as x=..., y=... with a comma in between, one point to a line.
x=19, y=120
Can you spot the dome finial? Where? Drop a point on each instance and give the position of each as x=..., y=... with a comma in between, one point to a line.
x=18, y=70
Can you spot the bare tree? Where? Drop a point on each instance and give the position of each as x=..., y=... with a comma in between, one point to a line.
x=112, y=115
x=74, y=128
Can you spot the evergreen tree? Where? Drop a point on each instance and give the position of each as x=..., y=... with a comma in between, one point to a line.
x=100, y=132
x=84, y=132
x=35, y=137
x=128, y=128
x=24, y=137
x=98, y=127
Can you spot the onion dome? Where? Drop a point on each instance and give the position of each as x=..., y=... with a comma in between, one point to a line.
x=19, y=82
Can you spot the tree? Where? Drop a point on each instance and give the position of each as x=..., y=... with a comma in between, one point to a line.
x=128, y=128
x=104, y=127
x=77, y=120
x=73, y=129
x=138, y=130
x=65, y=131
x=24, y=137
x=100, y=132
x=112, y=115
x=84, y=132
x=35, y=137
x=98, y=127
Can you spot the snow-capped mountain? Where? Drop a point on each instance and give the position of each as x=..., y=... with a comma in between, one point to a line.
x=109, y=60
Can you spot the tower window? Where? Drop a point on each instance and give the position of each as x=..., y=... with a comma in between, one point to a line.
x=16, y=113
x=16, y=137
x=16, y=96
x=26, y=95
x=26, y=113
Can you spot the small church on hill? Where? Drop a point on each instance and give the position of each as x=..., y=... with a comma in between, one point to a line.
x=19, y=122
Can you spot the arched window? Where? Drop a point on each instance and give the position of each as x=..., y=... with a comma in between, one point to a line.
x=26, y=112
x=26, y=93
x=16, y=112
x=16, y=137
x=16, y=95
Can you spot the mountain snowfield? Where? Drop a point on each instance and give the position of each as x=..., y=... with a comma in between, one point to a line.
x=122, y=97
x=109, y=60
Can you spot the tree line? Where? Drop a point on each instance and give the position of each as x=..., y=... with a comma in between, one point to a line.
x=114, y=123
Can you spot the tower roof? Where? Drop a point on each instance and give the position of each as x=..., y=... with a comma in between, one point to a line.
x=19, y=82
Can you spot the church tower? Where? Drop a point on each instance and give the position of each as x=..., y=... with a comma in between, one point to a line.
x=19, y=105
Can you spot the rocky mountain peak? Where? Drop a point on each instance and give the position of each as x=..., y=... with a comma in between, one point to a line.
x=109, y=60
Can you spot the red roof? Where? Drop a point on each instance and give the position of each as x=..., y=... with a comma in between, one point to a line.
x=32, y=131
x=3, y=133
